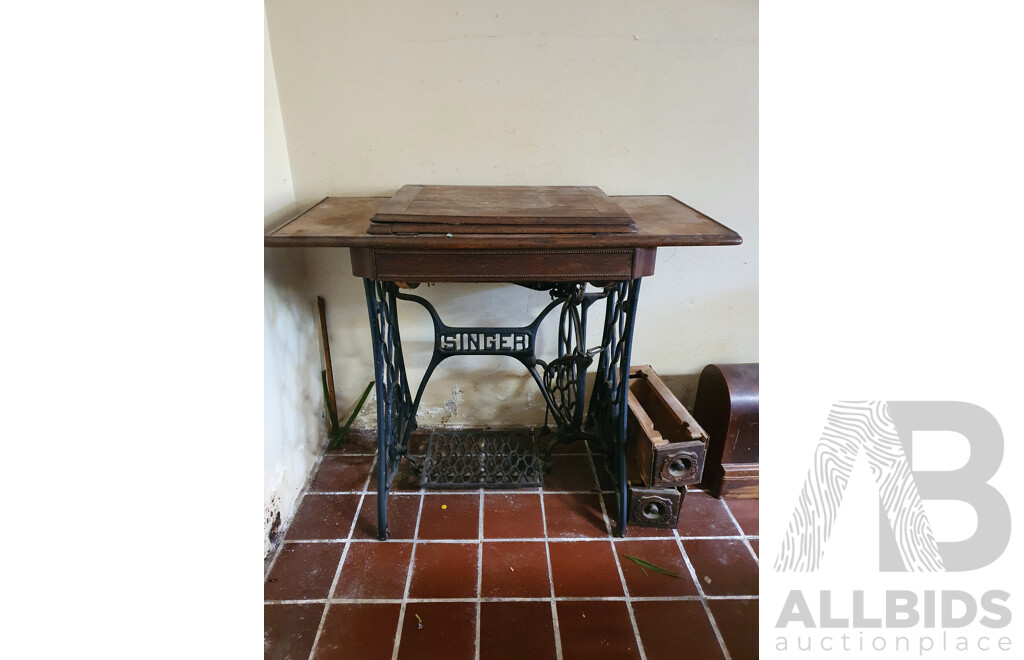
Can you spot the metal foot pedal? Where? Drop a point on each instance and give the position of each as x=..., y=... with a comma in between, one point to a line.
x=481, y=459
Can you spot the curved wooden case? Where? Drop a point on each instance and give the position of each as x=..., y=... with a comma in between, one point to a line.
x=727, y=408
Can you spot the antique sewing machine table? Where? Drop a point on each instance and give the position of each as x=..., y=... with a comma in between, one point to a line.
x=578, y=244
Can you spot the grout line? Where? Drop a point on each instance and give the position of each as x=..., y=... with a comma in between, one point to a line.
x=479, y=573
x=703, y=596
x=341, y=562
x=297, y=541
x=408, y=583
x=739, y=527
x=618, y=565
x=751, y=597
x=551, y=583
x=753, y=554
x=506, y=599
x=567, y=539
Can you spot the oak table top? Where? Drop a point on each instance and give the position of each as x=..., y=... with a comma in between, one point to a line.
x=501, y=233
x=660, y=221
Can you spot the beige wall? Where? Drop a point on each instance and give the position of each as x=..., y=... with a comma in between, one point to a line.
x=635, y=97
x=292, y=428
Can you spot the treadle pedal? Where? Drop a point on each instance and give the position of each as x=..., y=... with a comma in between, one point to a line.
x=482, y=459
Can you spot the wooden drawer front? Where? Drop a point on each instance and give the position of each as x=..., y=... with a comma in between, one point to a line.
x=655, y=507
x=492, y=265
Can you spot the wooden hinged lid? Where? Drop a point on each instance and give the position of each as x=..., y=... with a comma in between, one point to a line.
x=418, y=209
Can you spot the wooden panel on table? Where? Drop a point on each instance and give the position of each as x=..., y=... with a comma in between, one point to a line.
x=504, y=205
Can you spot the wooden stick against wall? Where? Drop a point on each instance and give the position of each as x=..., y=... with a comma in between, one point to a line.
x=331, y=401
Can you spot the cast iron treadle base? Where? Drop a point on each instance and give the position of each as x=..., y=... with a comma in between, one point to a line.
x=482, y=459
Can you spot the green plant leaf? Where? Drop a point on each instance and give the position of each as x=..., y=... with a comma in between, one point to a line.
x=646, y=564
x=338, y=434
x=359, y=406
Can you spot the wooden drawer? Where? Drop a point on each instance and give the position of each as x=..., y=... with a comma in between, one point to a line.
x=664, y=443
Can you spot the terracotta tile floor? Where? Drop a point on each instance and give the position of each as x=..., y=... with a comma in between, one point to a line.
x=517, y=574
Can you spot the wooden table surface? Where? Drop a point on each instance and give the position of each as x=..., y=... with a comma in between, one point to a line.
x=660, y=221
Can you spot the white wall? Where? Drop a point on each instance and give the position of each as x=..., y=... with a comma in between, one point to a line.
x=658, y=96
x=292, y=394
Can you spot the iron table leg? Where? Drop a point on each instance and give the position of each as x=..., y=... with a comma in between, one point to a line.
x=396, y=416
x=608, y=403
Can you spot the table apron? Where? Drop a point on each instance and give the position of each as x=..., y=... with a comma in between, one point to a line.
x=526, y=265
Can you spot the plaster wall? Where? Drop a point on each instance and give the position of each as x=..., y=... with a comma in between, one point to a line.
x=651, y=97
x=293, y=436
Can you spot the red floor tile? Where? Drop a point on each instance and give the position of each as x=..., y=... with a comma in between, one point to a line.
x=374, y=570
x=444, y=570
x=746, y=514
x=574, y=516
x=516, y=631
x=303, y=571
x=561, y=448
x=512, y=516
x=676, y=630
x=737, y=621
x=584, y=569
x=405, y=480
x=402, y=512
x=596, y=629
x=515, y=570
x=450, y=516
x=289, y=630
x=570, y=473
x=358, y=441
x=448, y=631
x=753, y=542
x=645, y=582
x=703, y=515
x=323, y=517
x=339, y=472
x=364, y=631
x=724, y=567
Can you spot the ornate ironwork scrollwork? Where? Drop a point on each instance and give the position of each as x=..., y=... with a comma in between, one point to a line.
x=562, y=381
x=607, y=413
x=396, y=416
